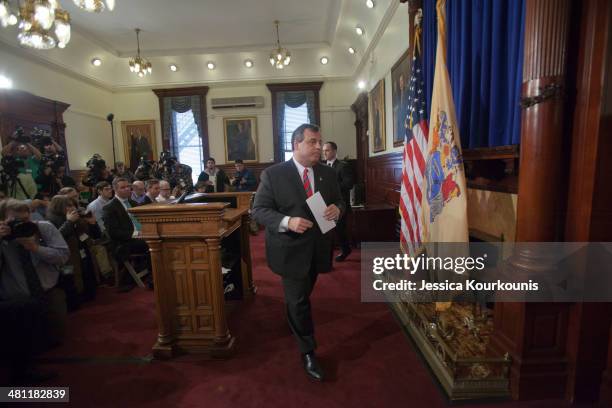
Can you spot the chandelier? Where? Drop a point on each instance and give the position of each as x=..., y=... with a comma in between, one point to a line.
x=43, y=24
x=95, y=5
x=279, y=57
x=141, y=66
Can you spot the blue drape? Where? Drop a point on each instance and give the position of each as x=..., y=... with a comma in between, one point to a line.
x=485, y=64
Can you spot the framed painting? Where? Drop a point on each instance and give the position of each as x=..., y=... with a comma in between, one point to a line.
x=400, y=76
x=138, y=141
x=376, y=107
x=240, y=135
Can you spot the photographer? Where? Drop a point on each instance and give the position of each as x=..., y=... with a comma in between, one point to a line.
x=146, y=169
x=21, y=147
x=96, y=172
x=177, y=174
x=16, y=182
x=244, y=179
x=78, y=228
x=32, y=307
x=121, y=171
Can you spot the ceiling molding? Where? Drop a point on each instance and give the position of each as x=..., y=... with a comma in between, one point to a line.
x=333, y=20
x=94, y=39
x=382, y=27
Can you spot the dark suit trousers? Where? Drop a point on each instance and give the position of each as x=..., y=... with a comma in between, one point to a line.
x=297, y=302
x=342, y=234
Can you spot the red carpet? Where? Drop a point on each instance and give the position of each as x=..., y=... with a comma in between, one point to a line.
x=367, y=357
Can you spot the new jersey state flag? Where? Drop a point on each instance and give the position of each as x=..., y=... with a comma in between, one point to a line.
x=444, y=201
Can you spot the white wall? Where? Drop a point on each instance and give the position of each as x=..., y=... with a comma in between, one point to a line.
x=390, y=47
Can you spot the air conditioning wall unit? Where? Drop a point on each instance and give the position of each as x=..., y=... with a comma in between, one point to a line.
x=237, y=102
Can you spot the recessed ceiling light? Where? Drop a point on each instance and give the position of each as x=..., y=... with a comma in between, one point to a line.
x=210, y=65
x=96, y=62
x=248, y=63
x=173, y=67
x=324, y=60
x=361, y=84
x=359, y=30
x=370, y=3
x=351, y=50
x=5, y=82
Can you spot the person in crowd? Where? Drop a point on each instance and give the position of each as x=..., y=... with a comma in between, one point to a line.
x=123, y=228
x=296, y=249
x=244, y=179
x=121, y=171
x=201, y=187
x=32, y=306
x=105, y=193
x=138, y=192
x=63, y=179
x=153, y=188
x=78, y=229
x=345, y=179
x=214, y=177
x=38, y=207
x=71, y=192
x=165, y=192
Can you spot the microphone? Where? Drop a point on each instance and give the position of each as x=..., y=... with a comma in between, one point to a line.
x=110, y=117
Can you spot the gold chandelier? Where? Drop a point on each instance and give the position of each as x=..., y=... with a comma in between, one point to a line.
x=95, y=5
x=139, y=65
x=43, y=24
x=279, y=57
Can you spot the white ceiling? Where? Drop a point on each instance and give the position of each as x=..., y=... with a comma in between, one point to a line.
x=190, y=33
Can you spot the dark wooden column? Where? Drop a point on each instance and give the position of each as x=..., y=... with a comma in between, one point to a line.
x=589, y=195
x=535, y=334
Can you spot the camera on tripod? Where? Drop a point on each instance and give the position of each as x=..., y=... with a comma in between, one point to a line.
x=96, y=165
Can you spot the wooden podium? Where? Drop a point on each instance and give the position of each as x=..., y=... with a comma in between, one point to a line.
x=185, y=242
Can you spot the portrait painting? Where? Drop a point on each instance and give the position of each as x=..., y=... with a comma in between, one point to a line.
x=400, y=78
x=376, y=105
x=240, y=136
x=138, y=142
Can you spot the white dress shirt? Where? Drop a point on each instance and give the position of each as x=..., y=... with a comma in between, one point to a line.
x=284, y=225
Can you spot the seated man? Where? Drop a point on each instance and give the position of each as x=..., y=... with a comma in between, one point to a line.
x=165, y=192
x=105, y=193
x=122, y=228
x=138, y=191
x=244, y=179
x=32, y=307
x=152, y=187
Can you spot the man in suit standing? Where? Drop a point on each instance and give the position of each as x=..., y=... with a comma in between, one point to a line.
x=295, y=247
x=345, y=180
x=122, y=227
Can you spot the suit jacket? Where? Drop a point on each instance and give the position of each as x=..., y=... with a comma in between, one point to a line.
x=220, y=183
x=117, y=221
x=147, y=200
x=281, y=193
x=345, y=179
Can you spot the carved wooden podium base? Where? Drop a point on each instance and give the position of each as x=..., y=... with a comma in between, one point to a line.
x=185, y=242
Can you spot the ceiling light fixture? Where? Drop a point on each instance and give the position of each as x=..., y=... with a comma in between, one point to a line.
x=5, y=82
x=43, y=24
x=359, y=30
x=370, y=3
x=351, y=50
x=324, y=60
x=95, y=6
x=173, y=67
x=210, y=65
x=279, y=57
x=139, y=65
x=96, y=62
x=248, y=63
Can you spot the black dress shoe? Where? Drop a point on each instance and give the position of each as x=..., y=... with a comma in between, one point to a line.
x=342, y=256
x=312, y=367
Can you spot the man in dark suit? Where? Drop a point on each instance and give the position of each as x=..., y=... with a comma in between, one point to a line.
x=295, y=247
x=152, y=187
x=345, y=179
x=122, y=227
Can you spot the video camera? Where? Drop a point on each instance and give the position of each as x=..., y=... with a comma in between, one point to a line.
x=95, y=166
x=145, y=170
x=19, y=136
x=10, y=167
x=21, y=229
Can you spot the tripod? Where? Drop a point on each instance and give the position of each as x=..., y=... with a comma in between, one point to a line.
x=12, y=187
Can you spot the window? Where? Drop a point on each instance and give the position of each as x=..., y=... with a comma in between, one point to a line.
x=189, y=146
x=292, y=105
x=294, y=117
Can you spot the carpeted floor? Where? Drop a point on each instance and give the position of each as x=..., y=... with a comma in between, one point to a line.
x=368, y=359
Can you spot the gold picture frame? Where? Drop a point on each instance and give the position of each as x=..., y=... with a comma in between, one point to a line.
x=400, y=78
x=376, y=109
x=138, y=140
x=240, y=138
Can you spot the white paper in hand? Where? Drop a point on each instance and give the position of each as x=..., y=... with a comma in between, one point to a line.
x=317, y=206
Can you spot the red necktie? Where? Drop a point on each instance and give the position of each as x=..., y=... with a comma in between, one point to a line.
x=306, y=181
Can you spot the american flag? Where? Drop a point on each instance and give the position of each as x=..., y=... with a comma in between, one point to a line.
x=415, y=148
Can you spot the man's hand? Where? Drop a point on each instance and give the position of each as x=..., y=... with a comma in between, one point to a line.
x=4, y=230
x=29, y=243
x=299, y=225
x=332, y=213
x=73, y=216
